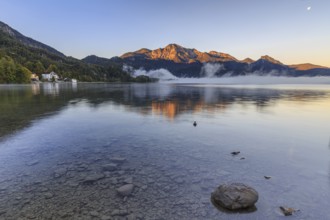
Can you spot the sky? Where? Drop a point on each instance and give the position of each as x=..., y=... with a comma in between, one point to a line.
x=292, y=31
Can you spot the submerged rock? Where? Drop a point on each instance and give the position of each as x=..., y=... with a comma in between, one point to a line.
x=93, y=178
x=118, y=159
x=109, y=167
x=118, y=212
x=94, y=213
x=287, y=210
x=235, y=196
x=33, y=162
x=125, y=190
x=128, y=180
x=48, y=195
x=235, y=153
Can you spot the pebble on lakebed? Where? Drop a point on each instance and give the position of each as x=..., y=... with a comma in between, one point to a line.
x=125, y=190
x=234, y=153
x=287, y=210
x=234, y=196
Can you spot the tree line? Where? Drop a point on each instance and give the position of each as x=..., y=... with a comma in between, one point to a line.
x=19, y=61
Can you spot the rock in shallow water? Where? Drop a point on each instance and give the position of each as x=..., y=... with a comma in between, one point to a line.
x=125, y=190
x=109, y=167
x=91, y=178
x=118, y=160
x=287, y=210
x=235, y=196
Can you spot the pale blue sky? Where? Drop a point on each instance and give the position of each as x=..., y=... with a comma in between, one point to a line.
x=283, y=29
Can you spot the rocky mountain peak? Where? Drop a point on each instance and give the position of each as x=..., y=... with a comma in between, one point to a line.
x=173, y=47
x=6, y=29
x=270, y=59
x=248, y=60
x=143, y=50
x=179, y=54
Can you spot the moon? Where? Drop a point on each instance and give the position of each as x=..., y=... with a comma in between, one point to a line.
x=309, y=8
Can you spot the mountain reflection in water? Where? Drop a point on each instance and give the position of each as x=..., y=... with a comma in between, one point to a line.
x=22, y=104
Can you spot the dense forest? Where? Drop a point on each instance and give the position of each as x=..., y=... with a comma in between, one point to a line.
x=19, y=59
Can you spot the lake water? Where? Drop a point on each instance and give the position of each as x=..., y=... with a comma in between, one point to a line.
x=57, y=141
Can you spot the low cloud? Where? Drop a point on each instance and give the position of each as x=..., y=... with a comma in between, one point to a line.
x=210, y=69
x=161, y=74
x=258, y=80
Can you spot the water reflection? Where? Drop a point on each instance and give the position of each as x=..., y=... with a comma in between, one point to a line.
x=35, y=87
x=22, y=104
x=80, y=144
x=51, y=89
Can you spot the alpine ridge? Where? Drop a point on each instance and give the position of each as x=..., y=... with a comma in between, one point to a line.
x=189, y=62
x=179, y=54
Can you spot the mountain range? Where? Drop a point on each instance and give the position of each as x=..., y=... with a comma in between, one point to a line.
x=180, y=61
x=185, y=62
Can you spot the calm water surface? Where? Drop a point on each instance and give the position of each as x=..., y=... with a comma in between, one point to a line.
x=57, y=141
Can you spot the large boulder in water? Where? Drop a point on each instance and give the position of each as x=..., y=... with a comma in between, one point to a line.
x=234, y=196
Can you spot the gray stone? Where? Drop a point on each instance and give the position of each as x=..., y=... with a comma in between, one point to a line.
x=125, y=190
x=128, y=180
x=109, y=167
x=94, y=213
x=60, y=172
x=131, y=217
x=105, y=217
x=3, y=188
x=179, y=180
x=235, y=196
x=33, y=162
x=118, y=159
x=48, y=195
x=93, y=177
x=118, y=212
x=287, y=210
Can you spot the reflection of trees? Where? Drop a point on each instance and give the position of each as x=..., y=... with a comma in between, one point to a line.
x=22, y=104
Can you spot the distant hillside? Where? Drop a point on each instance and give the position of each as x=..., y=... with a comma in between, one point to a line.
x=26, y=40
x=185, y=62
x=20, y=56
x=307, y=66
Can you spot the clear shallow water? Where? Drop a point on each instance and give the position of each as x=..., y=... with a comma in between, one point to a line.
x=57, y=138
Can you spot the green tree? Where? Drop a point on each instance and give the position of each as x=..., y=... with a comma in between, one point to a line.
x=2, y=70
x=9, y=70
x=39, y=68
x=23, y=75
x=52, y=67
x=30, y=65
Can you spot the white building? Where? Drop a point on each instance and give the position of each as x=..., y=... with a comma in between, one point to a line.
x=50, y=76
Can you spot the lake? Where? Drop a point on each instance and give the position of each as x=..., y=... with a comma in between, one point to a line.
x=65, y=149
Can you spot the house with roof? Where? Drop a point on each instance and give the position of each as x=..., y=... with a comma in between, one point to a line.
x=52, y=76
x=34, y=77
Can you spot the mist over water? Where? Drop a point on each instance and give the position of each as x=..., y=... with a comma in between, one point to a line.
x=209, y=71
x=161, y=74
x=256, y=79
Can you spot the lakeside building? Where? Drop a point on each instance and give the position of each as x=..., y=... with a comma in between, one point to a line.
x=50, y=76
